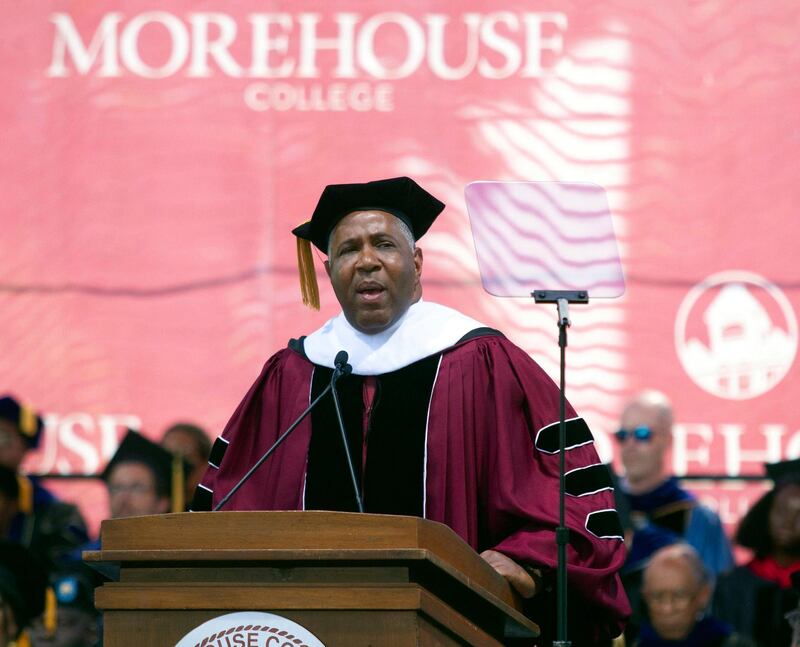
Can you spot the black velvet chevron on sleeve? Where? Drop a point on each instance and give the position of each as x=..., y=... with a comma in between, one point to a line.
x=604, y=524
x=201, y=502
x=588, y=480
x=577, y=433
x=218, y=450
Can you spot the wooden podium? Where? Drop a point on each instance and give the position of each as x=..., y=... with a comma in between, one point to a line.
x=350, y=579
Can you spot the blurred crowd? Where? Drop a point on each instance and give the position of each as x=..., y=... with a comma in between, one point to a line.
x=684, y=586
x=680, y=576
x=46, y=589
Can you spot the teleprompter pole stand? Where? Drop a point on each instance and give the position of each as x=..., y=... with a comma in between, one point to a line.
x=562, y=299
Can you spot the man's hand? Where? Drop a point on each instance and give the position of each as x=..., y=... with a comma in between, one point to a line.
x=517, y=576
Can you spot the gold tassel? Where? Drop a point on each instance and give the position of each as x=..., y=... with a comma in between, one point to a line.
x=27, y=421
x=178, y=487
x=308, y=277
x=23, y=640
x=25, y=498
x=50, y=612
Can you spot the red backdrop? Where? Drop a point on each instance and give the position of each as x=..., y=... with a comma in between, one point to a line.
x=155, y=157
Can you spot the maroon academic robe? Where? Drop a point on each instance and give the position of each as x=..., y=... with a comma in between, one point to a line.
x=490, y=466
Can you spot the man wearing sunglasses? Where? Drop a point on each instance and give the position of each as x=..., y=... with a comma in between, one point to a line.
x=661, y=511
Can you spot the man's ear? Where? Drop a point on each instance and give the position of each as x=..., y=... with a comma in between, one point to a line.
x=327, y=265
x=668, y=439
x=704, y=595
x=418, y=261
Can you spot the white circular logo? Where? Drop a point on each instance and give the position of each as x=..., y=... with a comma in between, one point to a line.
x=250, y=629
x=736, y=335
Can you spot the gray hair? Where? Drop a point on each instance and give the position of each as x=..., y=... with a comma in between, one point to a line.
x=405, y=230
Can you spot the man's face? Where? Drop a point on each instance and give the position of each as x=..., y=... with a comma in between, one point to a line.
x=643, y=458
x=132, y=491
x=674, y=598
x=12, y=446
x=784, y=519
x=373, y=270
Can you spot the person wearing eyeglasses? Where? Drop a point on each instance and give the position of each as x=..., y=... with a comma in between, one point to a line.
x=654, y=495
x=141, y=479
x=758, y=596
x=661, y=512
x=677, y=590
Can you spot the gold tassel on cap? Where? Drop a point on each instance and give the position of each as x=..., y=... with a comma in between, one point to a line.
x=50, y=612
x=178, y=487
x=27, y=421
x=25, y=498
x=308, y=277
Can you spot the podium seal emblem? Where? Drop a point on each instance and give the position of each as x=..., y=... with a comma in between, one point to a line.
x=249, y=629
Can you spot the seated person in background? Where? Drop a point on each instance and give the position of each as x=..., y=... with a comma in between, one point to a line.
x=756, y=597
x=76, y=617
x=654, y=494
x=23, y=582
x=661, y=511
x=51, y=528
x=649, y=539
x=193, y=444
x=140, y=479
x=677, y=589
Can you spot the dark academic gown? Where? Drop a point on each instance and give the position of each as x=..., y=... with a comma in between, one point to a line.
x=755, y=607
x=49, y=527
x=708, y=632
x=467, y=437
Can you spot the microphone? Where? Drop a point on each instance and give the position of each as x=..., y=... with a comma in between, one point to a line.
x=341, y=368
x=340, y=364
x=340, y=361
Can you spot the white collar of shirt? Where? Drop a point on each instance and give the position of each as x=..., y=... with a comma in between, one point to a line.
x=426, y=328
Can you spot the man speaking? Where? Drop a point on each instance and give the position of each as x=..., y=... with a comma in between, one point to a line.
x=445, y=418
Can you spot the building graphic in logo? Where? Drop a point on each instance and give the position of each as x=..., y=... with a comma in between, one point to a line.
x=736, y=335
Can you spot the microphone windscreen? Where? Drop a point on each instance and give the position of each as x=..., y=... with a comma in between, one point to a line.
x=340, y=359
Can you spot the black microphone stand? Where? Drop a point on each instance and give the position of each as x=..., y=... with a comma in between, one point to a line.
x=344, y=371
x=562, y=299
x=342, y=368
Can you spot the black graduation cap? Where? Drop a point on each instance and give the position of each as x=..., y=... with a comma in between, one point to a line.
x=24, y=418
x=23, y=582
x=170, y=470
x=399, y=196
x=783, y=471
